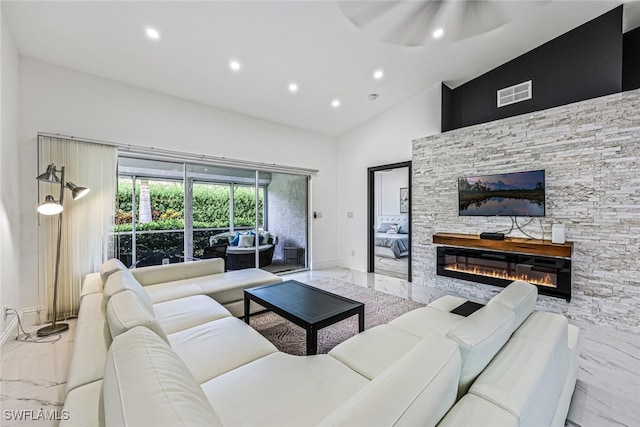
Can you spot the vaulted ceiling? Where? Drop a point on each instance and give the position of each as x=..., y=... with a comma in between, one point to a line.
x=310, y=43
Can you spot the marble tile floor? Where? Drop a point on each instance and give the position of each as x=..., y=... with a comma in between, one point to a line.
x=33, y=376
x=386, y=266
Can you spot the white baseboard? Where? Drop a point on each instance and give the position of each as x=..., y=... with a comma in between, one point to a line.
x=8, y=330
x=353, y=265
x=26, y=317
x=320, y=265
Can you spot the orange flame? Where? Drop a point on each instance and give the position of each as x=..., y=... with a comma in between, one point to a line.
x=501, y=274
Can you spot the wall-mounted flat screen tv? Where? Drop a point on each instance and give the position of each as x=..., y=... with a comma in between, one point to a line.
x=506, y=194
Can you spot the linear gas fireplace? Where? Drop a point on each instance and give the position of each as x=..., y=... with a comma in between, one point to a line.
x=552, y=275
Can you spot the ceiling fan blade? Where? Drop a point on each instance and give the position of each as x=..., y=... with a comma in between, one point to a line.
x=479, y=17
x=362, y=13
x=415, y=29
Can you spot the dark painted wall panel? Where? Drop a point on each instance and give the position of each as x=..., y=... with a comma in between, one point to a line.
x=445, y=119
x=631, y=60
x=581, y=64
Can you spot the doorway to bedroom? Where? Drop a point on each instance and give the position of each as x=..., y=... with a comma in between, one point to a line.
x=389, y=220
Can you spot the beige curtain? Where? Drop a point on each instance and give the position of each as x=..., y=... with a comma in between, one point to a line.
x=87, y=223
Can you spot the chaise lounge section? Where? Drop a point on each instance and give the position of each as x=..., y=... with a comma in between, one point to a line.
x=170, y=346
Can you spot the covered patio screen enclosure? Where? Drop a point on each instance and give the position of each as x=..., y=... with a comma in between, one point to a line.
x=168, y=212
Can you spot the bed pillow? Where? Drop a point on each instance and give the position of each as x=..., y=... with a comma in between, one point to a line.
x=245, y=241
x=384, y=227
x=403, y=229
x=393, y=229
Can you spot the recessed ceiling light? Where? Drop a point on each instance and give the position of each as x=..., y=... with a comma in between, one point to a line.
x=378, y=74
x=152, y=33
x=293, y=87
x=235, y=65
x=335, y=103
x=438, y=33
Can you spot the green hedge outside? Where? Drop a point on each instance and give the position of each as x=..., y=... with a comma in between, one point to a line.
x=211, y=206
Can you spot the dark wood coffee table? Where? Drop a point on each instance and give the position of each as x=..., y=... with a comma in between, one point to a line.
x=308, y=307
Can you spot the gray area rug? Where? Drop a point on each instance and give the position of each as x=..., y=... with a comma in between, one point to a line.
x=379, y=308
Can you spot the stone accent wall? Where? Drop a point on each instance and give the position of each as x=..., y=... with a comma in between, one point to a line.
x=590, y=151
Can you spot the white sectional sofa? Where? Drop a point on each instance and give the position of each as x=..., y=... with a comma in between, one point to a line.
x=163, y=346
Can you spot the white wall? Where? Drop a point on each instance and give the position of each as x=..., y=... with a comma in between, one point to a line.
x=390, y=184
x=383, y=140
x=10, y=279
x=59, y=100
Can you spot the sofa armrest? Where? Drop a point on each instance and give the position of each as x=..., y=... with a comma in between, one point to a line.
x=185, y=270
x=92, y=284
x=418, y=389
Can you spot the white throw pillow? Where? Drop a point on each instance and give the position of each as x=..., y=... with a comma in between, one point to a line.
x=245, y=241
x=393, y=229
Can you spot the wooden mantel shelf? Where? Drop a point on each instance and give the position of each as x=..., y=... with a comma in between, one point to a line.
x=510, y=244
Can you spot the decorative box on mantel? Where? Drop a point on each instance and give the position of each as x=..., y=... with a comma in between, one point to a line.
x=500, y=262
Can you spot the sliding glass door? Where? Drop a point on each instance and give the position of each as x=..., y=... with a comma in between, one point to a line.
x=149, y=218
x=170, y=212
x=211, y=213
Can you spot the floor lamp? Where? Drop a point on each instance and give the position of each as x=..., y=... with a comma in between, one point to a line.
x=52, y=207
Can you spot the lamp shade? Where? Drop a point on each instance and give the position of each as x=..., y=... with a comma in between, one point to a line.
x=49, y=206
x=77, y=192
x=49, y=175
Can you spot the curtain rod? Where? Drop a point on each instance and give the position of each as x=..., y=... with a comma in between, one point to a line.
x=164, y=154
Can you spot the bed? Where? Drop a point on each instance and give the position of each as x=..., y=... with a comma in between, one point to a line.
x=391, y=237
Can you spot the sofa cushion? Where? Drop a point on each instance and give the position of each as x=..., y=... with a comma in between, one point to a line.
x=124, y=280
x=90, y=345
x=176, y=289
x=480, y=336
x=472, y=410
x=93, y=307
x=231, y=285
x=213, y=348
x=184, y=270
x=126, y=310
x=183, y=313
x=417, y=390
x=92, y=284
x=223, y=288
x=301, y=390
x=239, y=250
x=374, y=350
x=85, y=406
x=427, y=321
x=146, y=384
x=109, y=267
x=520, y=297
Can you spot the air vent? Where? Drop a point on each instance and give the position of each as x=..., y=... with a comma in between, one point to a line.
x=515, y=93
